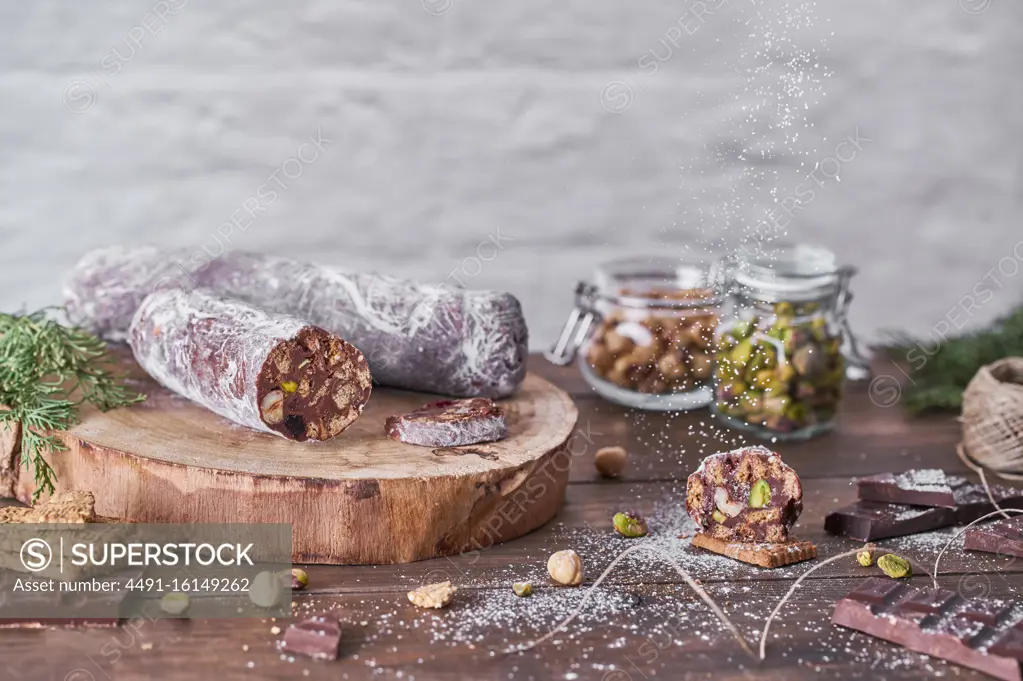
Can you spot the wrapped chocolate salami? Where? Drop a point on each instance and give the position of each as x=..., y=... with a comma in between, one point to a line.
x=432, y=338
x=270, y=372
x=746, y=495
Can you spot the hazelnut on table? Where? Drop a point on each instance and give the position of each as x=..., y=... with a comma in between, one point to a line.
x=566, y=567
x=611, y=461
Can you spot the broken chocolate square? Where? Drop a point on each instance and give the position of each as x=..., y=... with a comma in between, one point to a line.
x=318, y=637
x=870, y=520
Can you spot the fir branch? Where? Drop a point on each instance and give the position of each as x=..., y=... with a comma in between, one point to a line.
x=48, y=371
x=946, y=367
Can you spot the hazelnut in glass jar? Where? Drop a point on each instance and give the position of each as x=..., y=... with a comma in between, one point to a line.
x=646, y=329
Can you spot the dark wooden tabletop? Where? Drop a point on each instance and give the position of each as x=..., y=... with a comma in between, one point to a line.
x=642, y=623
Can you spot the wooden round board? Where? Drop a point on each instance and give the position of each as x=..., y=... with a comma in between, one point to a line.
x=360, y=498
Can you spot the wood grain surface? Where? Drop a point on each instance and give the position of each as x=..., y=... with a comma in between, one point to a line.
x=642, y=624
x=359, y=498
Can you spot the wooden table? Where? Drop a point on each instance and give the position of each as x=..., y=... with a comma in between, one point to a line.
x=643, y=623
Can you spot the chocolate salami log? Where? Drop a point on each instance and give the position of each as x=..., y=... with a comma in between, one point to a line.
x=269, y=372
x=432, y=338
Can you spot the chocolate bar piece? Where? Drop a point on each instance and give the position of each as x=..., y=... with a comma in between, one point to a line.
x=318, y=637
x=918, y=487
x=869, y=520
x=765, y=555
x=746, y=495
x=986, y=635
x=1002, y=536
x=972, y=501
x=450, y=423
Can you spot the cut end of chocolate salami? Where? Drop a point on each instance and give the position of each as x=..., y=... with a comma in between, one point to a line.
x=270, y=372
x=312, y=387
x=746, y=495
x=450, y=423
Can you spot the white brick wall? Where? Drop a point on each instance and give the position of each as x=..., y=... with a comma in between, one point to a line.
x=488, y=118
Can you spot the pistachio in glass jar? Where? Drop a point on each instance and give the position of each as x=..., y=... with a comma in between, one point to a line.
x=646, y=329
x=780, y=367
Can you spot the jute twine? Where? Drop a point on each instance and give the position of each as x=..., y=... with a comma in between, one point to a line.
x=993, y=419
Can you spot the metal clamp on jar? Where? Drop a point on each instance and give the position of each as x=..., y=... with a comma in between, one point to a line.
x=646, y=330
x=780, y=364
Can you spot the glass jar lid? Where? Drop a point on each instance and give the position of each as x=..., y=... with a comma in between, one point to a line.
x=790, y=273
x=661, y=282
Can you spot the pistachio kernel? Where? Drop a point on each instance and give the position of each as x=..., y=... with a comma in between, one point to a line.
x=289, y=386
x=865, y=556
x=718, y=516
x=299, y=579
x=266, y=589
x=760, y=494
x=630, y=525
x=522, y=589
x=174, y=603
x=894, y=566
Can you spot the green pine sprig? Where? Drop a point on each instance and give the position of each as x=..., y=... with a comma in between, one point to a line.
x=941, y=369
x=47, y=371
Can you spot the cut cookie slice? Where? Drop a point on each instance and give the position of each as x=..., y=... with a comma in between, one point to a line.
x=450, y=423
x=746, y=495
x=766, y=555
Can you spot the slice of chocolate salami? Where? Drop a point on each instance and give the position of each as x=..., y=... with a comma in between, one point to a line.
x=450, y=423
x=270, y=372
x=747, y=495
x=433, y=338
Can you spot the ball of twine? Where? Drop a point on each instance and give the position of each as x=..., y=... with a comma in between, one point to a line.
x=993, y=417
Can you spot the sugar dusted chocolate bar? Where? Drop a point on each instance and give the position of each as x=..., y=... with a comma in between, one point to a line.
x=766, y=555
x=1002, y=536
x=918, y=487
x=972, y=501
x=985, y=635
x=870, y=520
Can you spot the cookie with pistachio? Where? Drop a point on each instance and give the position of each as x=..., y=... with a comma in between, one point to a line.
x=747, y=495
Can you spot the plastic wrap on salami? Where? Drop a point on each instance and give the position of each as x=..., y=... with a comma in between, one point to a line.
x=107, y=285
x=270, y=372
x=427, y=337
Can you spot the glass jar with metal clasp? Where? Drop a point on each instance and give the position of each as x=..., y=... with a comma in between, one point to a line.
x=783, y=357
x=643, y=331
